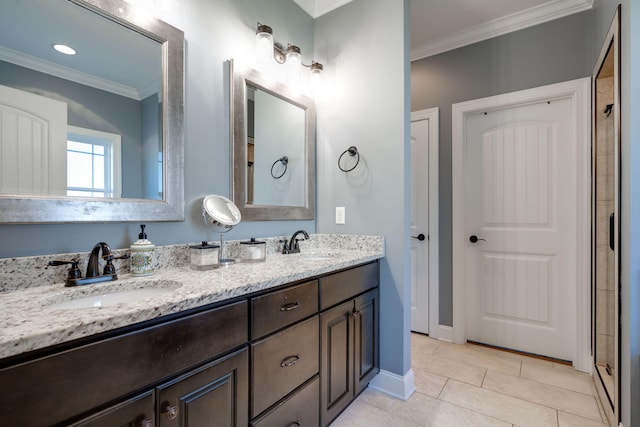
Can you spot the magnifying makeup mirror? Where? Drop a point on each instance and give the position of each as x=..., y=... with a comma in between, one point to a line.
x=220, y=214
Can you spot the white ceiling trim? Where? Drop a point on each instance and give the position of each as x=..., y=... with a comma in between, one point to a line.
x=504, y=25
x=37, y=64
x=317, y=8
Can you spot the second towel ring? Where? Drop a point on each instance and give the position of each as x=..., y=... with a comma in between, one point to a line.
x=284, y=160
x=353, y=151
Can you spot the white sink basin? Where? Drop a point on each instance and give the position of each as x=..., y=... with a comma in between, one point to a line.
x=106, y=299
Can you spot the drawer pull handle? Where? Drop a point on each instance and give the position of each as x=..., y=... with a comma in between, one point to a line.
x=145, y=423
x=290, y=306
x=170, y=410
x=289, y=361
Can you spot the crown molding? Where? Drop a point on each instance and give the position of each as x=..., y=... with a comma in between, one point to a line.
x=66, y=73
x=516, y=21
x=317, y=8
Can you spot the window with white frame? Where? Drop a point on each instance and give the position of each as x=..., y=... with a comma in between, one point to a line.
x=93, y=163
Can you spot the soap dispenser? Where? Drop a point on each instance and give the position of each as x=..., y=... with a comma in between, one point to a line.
x=142, y=262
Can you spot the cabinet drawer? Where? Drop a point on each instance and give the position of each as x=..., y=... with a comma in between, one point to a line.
x=300, y=409
x=275, y=310
x=134, y=360
x=342, y=286
x=283, y=362
x=137, y=411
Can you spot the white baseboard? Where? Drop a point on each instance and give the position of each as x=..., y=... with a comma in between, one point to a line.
x=398, y=386
x=442, y=332
x=585, y=364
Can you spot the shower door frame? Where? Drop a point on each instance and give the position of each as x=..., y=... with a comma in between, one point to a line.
x=611, y=45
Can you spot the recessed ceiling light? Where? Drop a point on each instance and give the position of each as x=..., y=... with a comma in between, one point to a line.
x=63, y=48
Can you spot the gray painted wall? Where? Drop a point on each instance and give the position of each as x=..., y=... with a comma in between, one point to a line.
x=364, y=102
x=553, y=52
x=215, y=31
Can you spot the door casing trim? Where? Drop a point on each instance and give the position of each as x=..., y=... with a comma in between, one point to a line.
x=433, y=116
x=579, y=91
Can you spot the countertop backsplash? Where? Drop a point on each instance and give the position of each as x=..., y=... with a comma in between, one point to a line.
x=26, y=272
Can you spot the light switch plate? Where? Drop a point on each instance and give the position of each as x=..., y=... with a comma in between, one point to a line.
x=340, y=215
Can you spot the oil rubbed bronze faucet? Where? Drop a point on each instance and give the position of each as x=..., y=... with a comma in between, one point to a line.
x=292, y=247
x=74, y=276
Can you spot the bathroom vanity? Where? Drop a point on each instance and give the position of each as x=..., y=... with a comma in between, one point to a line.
x=294, y=349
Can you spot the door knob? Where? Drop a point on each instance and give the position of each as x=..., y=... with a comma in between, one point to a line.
x=420, y=237
x=474, y=239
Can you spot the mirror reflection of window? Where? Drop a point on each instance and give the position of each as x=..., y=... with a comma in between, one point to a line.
x=93, y=160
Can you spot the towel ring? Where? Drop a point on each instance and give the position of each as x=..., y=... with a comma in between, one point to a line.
x=353, y=151
x=284, y=160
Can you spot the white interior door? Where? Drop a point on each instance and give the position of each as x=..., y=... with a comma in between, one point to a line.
x=420, y=226
x=521, y=194
x=33, y=144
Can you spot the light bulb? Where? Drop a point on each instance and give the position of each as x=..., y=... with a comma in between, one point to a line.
x=264, y=44
x=293, y=64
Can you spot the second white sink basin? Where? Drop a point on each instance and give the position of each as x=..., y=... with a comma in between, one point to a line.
x=112, y=298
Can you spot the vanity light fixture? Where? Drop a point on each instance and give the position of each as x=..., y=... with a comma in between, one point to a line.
x=290, y=55
x=63, y=48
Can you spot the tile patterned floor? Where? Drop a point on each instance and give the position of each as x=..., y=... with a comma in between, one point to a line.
x=470, y=385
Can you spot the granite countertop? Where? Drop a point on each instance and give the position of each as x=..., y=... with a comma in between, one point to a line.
x=28, y=323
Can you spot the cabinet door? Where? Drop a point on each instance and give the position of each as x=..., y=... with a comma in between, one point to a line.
x=213, y=395
x=135, y=412
x=366, y=334
x=336, y=372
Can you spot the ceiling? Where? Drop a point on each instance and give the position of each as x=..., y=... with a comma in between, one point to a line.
x=125, y=62
x=441, y=25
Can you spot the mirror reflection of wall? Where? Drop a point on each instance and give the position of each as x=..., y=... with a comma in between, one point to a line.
x=278, y=129
x=273, y=130
x=98, y=99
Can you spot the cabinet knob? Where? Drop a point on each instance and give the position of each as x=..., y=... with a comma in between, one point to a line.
x=295, y=424
x=290, y=361
x=290, y=306
x=171, y=411
x=145, y=423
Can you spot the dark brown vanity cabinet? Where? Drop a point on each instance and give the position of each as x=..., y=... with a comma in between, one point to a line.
x=93, y=382
x=349, y=337
x=294, y=356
